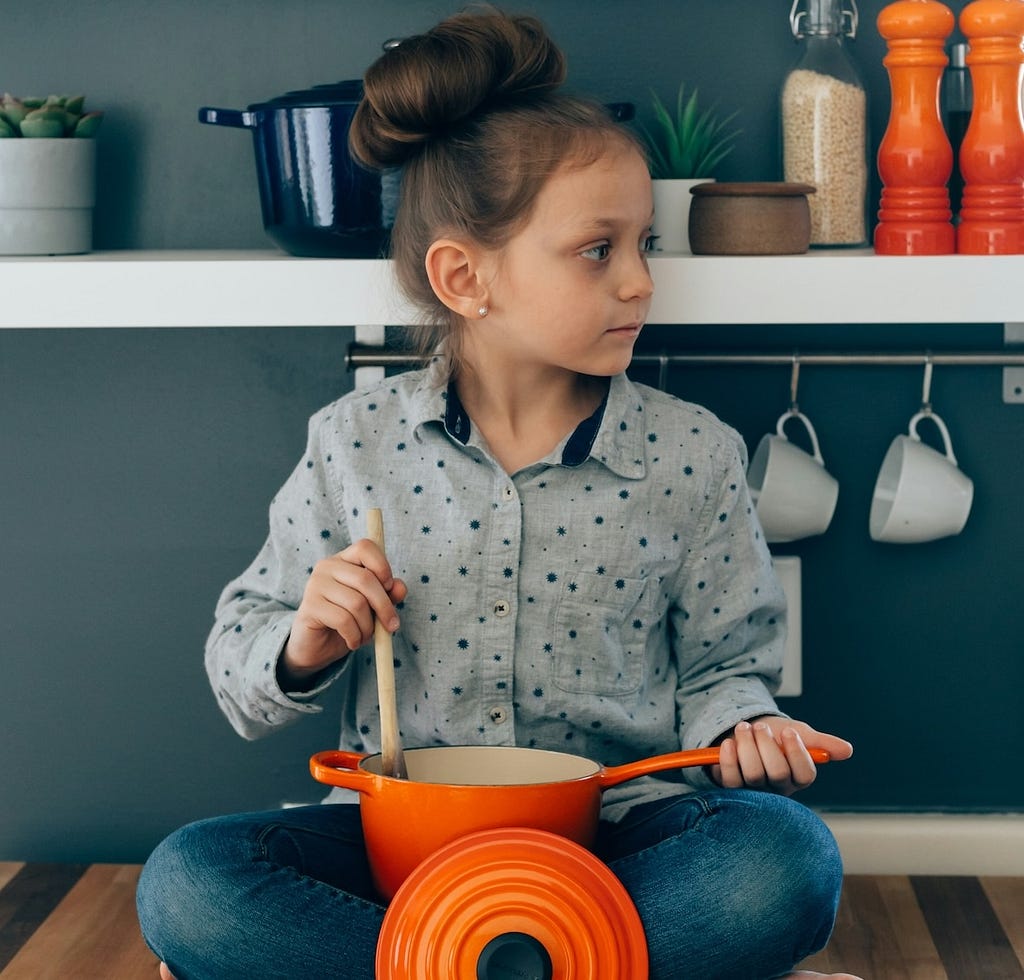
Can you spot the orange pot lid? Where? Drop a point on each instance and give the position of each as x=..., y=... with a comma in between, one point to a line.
x=507, y=900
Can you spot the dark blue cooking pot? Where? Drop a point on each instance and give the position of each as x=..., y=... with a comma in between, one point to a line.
x=316, y=200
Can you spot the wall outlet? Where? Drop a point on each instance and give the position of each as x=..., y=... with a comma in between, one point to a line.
x=788, y=570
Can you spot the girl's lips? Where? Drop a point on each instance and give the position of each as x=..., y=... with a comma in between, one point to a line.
x=628, y=329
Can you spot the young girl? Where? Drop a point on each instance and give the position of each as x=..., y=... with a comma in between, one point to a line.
x=573, y=559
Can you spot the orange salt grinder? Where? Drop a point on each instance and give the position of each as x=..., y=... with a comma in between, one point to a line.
x=992, y=152
x=915, y=158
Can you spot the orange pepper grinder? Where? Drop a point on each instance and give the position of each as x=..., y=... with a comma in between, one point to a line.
x=915, y=159
x=992, y=152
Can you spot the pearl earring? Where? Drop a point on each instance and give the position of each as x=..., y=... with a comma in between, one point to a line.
x=482, y=311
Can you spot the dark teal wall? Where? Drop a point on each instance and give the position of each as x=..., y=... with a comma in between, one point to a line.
x=136, y=471
x=136, y=465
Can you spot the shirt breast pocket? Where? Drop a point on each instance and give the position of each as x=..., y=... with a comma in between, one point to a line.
x=601, y=629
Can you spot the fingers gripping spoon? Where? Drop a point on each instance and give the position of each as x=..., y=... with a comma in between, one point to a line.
x=392, y=758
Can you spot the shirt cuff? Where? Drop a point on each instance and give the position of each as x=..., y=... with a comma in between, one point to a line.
x=745, y=699
x=325, y=678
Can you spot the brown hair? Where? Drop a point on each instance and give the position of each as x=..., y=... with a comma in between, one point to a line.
x=471, y=112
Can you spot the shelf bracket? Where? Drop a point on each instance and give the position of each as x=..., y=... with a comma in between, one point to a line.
x=366, y=377
x=1013, y=377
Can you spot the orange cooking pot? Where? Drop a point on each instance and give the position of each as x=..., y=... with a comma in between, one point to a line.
x=457, y=790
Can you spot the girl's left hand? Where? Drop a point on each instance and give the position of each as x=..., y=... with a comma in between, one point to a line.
x=770, y=753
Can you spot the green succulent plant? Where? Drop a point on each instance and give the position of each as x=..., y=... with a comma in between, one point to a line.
x=54, y=117
x=690, y=144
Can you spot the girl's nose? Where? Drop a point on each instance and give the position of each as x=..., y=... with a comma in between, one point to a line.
x=637, y=282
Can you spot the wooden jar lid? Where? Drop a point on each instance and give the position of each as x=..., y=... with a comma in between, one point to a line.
x=752, y=189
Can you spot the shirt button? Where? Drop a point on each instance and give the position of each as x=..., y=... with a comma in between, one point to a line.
x=508, y=493
x=502, y=607
x=498, y=715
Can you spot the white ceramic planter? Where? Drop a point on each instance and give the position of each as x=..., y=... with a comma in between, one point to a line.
x=47, y=194
x=672, y=213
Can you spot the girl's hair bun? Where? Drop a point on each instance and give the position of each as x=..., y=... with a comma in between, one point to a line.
x=429, y=84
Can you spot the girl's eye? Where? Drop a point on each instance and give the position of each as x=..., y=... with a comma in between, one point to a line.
x=597, y=252
x=649, y=243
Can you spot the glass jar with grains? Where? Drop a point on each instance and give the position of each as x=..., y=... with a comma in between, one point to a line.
x=824, y=122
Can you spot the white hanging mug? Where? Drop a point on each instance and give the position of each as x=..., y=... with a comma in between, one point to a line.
x=794, y=494
x=921, y=494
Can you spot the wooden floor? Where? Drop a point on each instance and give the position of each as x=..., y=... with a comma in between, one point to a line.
x=72, y=921
x=77, y=922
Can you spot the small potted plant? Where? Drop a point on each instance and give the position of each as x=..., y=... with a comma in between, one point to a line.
x=47, y=175
x=684, y=149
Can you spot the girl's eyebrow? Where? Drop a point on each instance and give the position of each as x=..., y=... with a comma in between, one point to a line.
x=604, y=225
x=597, y=225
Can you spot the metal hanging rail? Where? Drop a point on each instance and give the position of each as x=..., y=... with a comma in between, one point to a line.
x=368, y=355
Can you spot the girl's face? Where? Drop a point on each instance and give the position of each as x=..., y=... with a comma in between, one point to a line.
x=571, y=289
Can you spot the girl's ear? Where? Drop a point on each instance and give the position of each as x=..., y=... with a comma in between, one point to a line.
x=458, y=277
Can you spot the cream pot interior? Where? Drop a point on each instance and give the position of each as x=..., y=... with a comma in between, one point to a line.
x=481, y=765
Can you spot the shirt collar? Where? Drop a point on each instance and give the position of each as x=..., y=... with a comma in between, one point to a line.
x=613, y=436
x=456, y=419
x=621, y=437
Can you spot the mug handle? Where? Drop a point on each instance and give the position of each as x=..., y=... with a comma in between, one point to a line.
x=794, y=414
x=943, y=431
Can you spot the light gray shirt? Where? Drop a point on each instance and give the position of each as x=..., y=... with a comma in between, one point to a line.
x=615, y=600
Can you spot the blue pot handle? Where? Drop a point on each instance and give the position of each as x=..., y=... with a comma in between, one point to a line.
x=239, y=119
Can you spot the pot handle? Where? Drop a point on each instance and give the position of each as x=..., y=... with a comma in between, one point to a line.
x=614, y=775
x=338, y=768
x=237, y=118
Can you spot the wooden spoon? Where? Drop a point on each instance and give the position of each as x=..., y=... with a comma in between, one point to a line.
x=392, y=758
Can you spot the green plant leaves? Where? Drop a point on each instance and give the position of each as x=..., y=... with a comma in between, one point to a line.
x=690, y=144
x=54, y=117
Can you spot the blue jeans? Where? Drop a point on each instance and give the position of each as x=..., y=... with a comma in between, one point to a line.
x=730, y=884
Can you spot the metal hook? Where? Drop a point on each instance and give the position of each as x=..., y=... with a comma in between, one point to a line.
x=926, y=388
x=794, y=382
x=662, y=370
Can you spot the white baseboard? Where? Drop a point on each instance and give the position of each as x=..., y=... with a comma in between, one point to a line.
x=929, y=843
x=922, y=843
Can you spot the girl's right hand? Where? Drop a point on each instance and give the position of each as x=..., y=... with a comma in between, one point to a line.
x=343, y=596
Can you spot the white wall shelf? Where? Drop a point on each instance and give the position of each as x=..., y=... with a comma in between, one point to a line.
x=268, y=288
